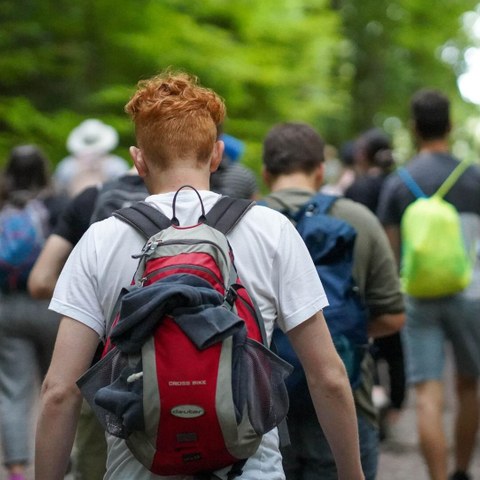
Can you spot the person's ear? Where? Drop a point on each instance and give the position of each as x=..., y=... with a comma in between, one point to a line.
x=319, y=174
x=138, y=161
x=217, y=155
x=267, y=177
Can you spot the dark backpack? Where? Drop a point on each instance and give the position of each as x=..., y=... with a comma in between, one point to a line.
x=330, y=242
x=188, y=379
x=119, y=193
x=23, y=231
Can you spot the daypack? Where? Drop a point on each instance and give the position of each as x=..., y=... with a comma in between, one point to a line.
x=118, y=193
x=330, y=241
x=23, y=231
x=435, y=262
x=188, y=379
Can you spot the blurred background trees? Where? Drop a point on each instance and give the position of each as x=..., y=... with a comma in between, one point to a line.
x=343, y=65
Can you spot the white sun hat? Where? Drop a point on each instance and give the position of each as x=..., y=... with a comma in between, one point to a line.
x=92, y=136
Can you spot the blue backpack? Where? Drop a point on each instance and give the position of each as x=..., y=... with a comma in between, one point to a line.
x=23, y=231
x=330, y=242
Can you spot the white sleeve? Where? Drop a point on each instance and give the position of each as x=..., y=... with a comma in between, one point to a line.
x=75, y=294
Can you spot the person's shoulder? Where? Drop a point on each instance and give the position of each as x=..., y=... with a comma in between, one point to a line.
x=474, y=171
x=260, y=212
x=288, y=199
x=84, y=202
x=393, y=180
x=356, y=214
x=113, y=233
x=349, y=205
x=263, y=224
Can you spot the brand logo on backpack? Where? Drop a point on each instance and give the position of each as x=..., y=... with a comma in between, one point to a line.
x=188, y=318
x=187, y=411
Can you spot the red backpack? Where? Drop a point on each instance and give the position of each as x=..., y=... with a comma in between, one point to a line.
x=188, y=379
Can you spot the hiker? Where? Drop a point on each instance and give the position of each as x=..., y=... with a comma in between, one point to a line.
x=293, y=166
x=72, y=224
x=28, y=210
x=433, y=320
x=346, y=173
x=90, y=161
x=176, y=124
x=374, y=161
x=231, y=178
x=92, y=204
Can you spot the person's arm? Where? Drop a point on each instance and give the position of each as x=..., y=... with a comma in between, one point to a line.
x=61, y=399
x=72, y=224
x=386, y=324
x=47, y=268
x=382, y=289
x=331, y=393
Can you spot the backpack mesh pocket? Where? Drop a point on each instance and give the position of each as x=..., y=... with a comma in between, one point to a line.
x=99, y=376
x=267, y=396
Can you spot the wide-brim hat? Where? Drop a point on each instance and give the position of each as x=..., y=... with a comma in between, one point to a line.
x=92, y=136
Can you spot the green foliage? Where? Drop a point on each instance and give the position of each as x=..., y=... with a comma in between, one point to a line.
x=341, y=65
x=272, y=61
x=396, y=49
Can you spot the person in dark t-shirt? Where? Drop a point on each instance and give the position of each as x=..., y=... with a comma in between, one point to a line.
x=431, y=323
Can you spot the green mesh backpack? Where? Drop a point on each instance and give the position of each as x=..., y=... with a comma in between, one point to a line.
x=435, y=262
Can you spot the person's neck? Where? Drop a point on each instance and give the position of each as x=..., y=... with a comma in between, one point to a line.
x=297, y=180
x=439, y=145
x=171, y=180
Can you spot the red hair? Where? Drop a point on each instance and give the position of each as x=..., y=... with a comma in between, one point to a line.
x=175, y=118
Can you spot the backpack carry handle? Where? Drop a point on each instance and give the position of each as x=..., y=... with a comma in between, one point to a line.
x=148, y=221
x=201, y=219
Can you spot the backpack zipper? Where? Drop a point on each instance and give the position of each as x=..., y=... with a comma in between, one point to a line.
x=150, y=247
x=180, y=266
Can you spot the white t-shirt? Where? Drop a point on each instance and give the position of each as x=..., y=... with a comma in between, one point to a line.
x=271, y=260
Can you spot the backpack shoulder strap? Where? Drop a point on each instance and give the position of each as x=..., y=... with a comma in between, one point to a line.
x=227, y=212
x=144, y=218
x=323, y=202
x=411, y=184
x=452, y=178
x=147, y=220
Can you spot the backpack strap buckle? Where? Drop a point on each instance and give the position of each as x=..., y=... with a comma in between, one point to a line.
x=231, y=296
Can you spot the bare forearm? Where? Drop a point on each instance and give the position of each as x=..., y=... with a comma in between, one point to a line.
x=55, y=434
x=336, y=413
x=331, y=393
x=388, y=324
x=61, y=399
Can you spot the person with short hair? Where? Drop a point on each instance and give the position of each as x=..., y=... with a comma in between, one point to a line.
x=293, y=168
x=176, y=124
x=433, y=323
